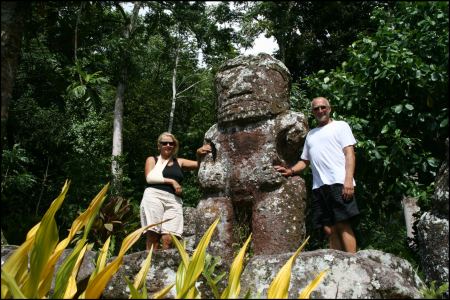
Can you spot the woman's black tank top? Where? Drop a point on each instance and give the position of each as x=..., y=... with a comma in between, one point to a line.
x=172, y=172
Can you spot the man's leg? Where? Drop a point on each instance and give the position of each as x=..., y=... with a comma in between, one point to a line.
x=347, y=236
x=334, y=240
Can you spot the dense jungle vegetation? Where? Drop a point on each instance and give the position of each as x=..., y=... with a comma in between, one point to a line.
x=91, y=85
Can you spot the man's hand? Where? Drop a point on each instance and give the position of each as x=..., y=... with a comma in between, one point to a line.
x=348, y=190
x=283, y=170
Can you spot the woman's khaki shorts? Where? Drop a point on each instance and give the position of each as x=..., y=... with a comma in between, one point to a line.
x=157, y=206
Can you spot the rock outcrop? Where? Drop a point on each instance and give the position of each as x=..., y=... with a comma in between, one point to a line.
x=367, y=274
x=432, y=231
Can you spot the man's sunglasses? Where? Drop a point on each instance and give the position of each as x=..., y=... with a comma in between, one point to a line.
x=322, y=107
x=167, y=143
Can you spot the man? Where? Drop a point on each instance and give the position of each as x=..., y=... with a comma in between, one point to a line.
x=329, y=150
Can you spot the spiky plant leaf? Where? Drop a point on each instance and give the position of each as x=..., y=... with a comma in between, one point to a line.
x=134, y=293
x=139, y=280
x=44, y=244
x=98, y=284
x=312, y=285
x=71, y=288
x=196, y=265
x=14, y=289
x=81, y=221
x=17, y=264
x=234, y=285
x=279, y=287
x=162, y=293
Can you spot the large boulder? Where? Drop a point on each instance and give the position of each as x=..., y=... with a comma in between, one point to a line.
x=161, y=274
x=366, y=274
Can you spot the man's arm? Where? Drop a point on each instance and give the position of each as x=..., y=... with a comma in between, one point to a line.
x=298, y=167
x=349, y=153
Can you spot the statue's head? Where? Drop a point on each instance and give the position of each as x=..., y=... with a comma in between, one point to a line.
x=251, y=88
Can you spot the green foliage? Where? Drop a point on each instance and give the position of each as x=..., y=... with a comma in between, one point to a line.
x=433, y=292
x=311, y=35
x=208, y=273
x=17, y=182
x=393, y=90
x=14, y=170
x=116, y=218
x=61, y=111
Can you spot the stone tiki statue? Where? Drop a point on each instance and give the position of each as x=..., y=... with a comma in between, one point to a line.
x=254, y=132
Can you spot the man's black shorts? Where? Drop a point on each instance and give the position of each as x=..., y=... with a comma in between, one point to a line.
x=328, y=207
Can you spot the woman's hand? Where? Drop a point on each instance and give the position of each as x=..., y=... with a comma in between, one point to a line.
x=203, y=150
x=177, y=187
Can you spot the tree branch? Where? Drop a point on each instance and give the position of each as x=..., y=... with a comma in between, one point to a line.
x=189, y=87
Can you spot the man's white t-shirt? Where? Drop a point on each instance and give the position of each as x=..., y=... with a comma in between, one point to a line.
x=324, y=150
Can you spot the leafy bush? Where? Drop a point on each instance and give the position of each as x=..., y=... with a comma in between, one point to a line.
x=393, y=91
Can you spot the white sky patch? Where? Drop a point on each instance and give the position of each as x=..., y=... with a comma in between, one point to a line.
x=261, y=44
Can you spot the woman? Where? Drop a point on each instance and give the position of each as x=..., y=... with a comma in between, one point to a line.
x=162, y=198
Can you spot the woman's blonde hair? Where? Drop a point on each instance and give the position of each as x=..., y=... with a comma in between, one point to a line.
x=176, y=146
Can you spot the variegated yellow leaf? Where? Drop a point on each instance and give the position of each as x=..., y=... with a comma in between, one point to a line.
x=139, y=280
x=98, y=284
x=312, y=285
x=197, y=263
x=162, y=293
x=66, y=269
x=181, y=250
x=180, y=277
x=134, y=293
x=101, y=259
x=17, y=262
x=77, y=224
x=71, y=288
x=193, y=293
x=279, y=287
x=44, y=244
x=9, y=282
x=234, y=286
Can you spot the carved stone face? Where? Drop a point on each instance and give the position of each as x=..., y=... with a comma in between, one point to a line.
x=251, y=88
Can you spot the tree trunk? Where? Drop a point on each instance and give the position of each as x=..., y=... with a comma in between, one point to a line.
x=174, y=92
x=116, y=167
x=116, y=164
x=410, y=208
x=12, y=28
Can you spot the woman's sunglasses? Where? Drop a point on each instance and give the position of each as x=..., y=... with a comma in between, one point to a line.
x=167, y=143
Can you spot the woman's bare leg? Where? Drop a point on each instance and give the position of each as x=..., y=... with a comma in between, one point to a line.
x=152, y=239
